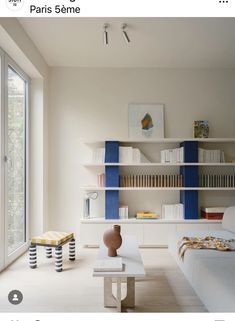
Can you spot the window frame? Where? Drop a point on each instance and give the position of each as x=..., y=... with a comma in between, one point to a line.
x=2, y=171
x=8, y=62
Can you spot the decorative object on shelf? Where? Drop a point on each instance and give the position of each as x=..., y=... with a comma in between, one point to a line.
x=88, y=197
x=201, y=129
x=146, y=121
x=212, y=213
x=113, y=240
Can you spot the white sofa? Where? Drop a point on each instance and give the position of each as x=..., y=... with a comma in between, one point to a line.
x=211, y=273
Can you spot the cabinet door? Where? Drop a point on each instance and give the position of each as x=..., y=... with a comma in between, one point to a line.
x=215, y=226
x=92, y=234
x=133, y=229
x=191, y=227
x=157, y=234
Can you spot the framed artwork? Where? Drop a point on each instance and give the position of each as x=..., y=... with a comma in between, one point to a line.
x=201, y=129
x=146, y=121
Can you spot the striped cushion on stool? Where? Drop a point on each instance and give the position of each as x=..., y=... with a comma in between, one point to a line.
x=52, y=238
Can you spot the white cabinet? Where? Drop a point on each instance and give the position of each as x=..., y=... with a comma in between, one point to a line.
x=133, y=229
x=215, y=227
x=154, y=233
x=157, y=234
x=91, y=234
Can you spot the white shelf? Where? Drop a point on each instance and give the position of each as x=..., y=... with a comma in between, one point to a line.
x=163, y=140
x=156, y=164
x=102, y=220
x=96, y=188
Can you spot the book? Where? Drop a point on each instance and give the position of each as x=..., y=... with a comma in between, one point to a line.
x=213, y=209
x=123, y=212
x=210, y=156
x=109, y=265
x=143, y=215
x=172, y=156
x=212, y=216
x=173, y=211
x=130, y=155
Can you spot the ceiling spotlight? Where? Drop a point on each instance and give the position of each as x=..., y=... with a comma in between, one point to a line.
x=124, y=33
x=105, y=34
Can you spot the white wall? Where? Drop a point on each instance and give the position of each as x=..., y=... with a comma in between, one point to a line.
x=92, y=103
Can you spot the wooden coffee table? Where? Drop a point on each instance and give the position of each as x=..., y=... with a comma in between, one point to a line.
x=132, y=268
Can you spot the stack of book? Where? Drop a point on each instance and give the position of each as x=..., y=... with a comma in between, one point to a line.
x=112, y=264
x=101, y=180
x=98, y=155
x=172, y=156
x=216, y=180
x=210, y=156
x=151, y=181
x=147, y=215
x=130, y=155
x=123, y=212
x=213, y=213
x=173, y=211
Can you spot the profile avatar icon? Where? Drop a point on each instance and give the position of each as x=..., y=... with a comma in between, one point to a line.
x=15, y=297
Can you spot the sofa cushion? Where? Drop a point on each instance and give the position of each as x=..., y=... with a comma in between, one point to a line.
x=229, y=219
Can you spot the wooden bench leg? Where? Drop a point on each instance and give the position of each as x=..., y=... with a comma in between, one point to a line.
x=72, y=250
x=33, y=256
x=58, y=259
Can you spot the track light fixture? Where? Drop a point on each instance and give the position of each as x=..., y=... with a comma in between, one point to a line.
x=105, y=34
x=124, y=33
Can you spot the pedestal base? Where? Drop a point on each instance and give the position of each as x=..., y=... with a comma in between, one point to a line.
x=110, y=301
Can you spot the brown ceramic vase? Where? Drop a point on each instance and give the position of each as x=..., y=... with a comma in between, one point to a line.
x=113, y=240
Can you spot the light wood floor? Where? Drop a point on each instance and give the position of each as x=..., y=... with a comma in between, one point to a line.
x=165, y=288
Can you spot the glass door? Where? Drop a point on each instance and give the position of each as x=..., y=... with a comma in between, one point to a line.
x=2, y=212
x=16, y=161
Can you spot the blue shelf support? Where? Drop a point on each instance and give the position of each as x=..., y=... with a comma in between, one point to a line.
x=112, y=180
x=190, y=179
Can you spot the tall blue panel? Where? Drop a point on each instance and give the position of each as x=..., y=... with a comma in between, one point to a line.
x=112, y=180
x=111, y=205
x=190, y=179
x=111, y=152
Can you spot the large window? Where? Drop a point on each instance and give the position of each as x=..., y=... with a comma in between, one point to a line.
x=16, y=160
x=14, y=139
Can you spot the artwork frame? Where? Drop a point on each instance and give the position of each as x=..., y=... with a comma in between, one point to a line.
x=145, y=121
x=201, y=129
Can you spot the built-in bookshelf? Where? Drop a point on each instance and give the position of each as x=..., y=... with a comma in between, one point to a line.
x=194, y=173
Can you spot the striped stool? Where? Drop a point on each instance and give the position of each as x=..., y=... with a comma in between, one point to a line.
x=49, y=240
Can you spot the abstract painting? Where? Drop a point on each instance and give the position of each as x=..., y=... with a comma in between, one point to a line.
x=146, y=121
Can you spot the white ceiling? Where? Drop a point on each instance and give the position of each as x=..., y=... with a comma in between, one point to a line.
x=155, y=42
